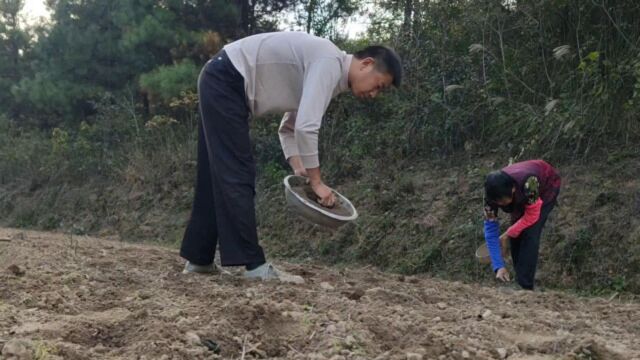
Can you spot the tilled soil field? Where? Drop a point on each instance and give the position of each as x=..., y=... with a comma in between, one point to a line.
x=69, y=297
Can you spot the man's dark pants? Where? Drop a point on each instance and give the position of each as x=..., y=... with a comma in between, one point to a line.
x=223, y=208
x=524, y=249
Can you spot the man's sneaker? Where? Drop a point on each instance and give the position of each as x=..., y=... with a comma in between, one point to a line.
x=268, y=272
x=190, y=268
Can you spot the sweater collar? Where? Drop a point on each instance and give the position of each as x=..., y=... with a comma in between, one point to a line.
x=346, y=65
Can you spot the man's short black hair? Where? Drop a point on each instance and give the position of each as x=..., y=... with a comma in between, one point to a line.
x=498, y=185
x=387, y=61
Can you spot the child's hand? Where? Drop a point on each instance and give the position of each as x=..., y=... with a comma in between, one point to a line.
x=503, y=274
x=489, y=214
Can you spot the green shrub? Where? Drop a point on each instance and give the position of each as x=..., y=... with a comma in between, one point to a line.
x=168, y=82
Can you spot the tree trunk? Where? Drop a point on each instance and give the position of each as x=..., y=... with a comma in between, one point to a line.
x=408, y=12
x=244, y=16
x=417, y=16
x=311, y=8
x=13, y=43
x=252, y=17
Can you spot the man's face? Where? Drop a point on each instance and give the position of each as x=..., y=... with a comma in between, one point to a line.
x=368, y=82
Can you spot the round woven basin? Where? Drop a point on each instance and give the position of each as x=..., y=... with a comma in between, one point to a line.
x=302, y=200
x=482, y=254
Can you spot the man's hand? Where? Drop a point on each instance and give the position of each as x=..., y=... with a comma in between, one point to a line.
x=326, y=197
x=504, y=244
x=503, y=274
x=296, y=164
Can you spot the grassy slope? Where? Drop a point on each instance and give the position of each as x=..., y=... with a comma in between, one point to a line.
x=418, y=217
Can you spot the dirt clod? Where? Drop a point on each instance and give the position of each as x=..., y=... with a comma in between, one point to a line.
x=354, y=295
x=486, y=314
x=192, y=338
x=16, y=270
x=326, y=286
x=17, y=349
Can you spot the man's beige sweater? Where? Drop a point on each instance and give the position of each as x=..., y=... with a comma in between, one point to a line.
x=295, y=73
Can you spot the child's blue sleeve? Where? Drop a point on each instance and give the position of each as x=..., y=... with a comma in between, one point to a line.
x=492, y=236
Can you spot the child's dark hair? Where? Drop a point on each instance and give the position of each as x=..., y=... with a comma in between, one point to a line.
x=387, y=61
x=498, y=185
